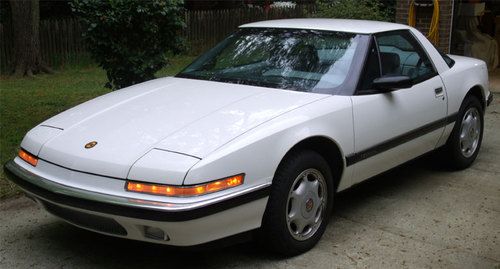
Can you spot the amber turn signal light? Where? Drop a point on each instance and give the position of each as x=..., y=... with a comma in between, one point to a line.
x=28, y=157
x=183, y=191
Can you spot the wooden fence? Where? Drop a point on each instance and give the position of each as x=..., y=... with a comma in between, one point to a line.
x=61, y=40
x=205, y=28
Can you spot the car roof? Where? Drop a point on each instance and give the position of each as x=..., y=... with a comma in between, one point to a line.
x=339, y=25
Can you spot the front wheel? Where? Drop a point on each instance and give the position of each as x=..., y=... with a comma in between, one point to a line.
x=299, y=205
x=465, y=140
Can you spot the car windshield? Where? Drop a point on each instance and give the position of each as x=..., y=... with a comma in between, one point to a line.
x=293, y=59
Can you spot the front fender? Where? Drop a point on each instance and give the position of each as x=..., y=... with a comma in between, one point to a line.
x=258, y=152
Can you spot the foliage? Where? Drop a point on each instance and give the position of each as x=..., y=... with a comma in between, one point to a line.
x=353, y=9
x=25, y=102
x=131, y=39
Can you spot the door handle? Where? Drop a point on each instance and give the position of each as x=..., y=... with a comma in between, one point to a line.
x=439, y=92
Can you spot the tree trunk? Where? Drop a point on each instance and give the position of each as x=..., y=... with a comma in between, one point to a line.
x=26, y=24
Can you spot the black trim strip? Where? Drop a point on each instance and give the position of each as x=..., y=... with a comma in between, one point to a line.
x=49, y=126
x=398, y=140
x=176, y=152
x=134, y=212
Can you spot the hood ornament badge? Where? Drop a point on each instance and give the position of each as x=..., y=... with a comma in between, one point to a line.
x=91, y=144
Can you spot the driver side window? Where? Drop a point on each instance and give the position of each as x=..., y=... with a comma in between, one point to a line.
x=401, y=55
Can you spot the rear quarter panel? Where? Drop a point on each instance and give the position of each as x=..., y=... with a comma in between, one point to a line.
x=463, y=76
x=458, y=80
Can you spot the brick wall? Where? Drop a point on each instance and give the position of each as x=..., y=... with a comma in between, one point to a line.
x=424, y=16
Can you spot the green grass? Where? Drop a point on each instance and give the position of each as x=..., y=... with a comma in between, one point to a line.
x=25, y=102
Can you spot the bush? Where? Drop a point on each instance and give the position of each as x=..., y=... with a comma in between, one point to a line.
x=130, y=39
x=353, y=9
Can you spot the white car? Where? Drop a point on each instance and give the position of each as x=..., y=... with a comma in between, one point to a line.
x=257, y=135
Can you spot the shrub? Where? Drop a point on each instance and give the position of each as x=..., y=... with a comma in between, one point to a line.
x=130, y=39
x=353, y=9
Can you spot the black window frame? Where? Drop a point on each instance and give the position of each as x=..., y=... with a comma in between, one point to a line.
x=372, y=43
x=447, y=59
x=413, y=41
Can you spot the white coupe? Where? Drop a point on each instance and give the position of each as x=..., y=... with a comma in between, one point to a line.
x=256, y=135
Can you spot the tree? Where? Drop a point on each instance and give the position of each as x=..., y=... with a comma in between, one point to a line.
x=131, y=39
x=353, y=9
x=26, y=24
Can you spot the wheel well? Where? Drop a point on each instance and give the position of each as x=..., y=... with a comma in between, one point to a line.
x=477, y=92
x=328, y=149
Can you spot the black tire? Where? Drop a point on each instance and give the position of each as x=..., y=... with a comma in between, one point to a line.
x=452, y=151
x=275, y=233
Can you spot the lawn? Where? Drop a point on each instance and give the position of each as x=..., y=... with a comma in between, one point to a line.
x=25, y=102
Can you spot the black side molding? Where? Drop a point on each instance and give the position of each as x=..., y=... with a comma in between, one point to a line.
x=134, y=212
x=398, y=140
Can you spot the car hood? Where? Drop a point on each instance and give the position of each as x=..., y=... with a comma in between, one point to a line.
x=190, y=117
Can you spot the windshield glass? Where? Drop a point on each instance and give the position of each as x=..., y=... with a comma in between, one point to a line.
x=294, y=59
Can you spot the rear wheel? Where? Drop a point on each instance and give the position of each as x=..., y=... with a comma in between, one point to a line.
x=465, y=140
x=299, y=205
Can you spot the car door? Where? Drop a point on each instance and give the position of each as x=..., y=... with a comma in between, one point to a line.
x=393, y=127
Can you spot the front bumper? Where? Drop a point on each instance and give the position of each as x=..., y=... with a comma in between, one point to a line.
x=183, y=224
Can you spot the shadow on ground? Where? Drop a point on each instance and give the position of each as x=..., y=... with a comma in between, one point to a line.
x=104, y=251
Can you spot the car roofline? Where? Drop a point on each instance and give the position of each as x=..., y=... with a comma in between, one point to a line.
x=338, y=25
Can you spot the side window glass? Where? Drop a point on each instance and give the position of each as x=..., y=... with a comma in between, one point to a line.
x=371, y=70
x=401, y=55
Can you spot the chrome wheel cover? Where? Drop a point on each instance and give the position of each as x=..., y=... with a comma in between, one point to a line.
x=470, y=131
x=306, y=204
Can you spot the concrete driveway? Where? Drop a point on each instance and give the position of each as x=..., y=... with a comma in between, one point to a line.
x=416, y=216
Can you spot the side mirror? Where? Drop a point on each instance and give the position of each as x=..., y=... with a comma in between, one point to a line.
x=389, y=83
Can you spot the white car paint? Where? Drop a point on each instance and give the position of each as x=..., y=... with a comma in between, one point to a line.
x=153, y=166
x=338, y=25
x=184, y=132
x=192, y=117
x=378, y=117
x=259, y=151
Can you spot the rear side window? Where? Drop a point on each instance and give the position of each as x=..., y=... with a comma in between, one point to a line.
x=401, y=55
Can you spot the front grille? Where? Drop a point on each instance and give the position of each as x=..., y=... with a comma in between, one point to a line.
x=93, y=222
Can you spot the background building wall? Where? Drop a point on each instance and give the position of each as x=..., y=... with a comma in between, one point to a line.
x=424, y=16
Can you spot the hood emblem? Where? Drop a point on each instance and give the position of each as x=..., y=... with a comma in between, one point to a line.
x=91, y=144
